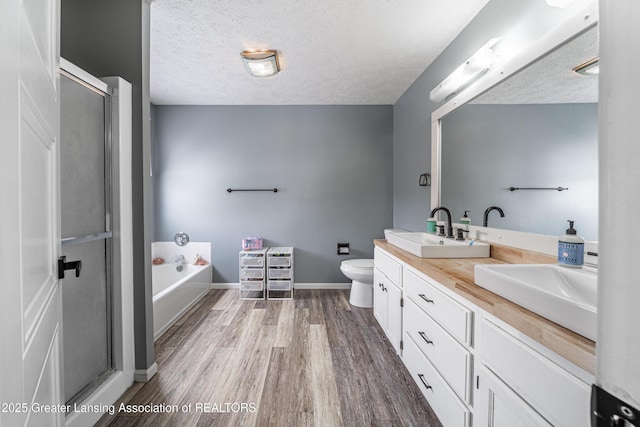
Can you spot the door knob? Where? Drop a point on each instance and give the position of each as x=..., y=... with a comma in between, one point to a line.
x=63, y=265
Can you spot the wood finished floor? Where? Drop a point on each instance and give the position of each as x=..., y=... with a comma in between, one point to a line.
x=313, y=361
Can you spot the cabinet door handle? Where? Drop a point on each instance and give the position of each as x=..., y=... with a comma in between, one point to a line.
x=426, y=385
x=384, y=289
x=426, y=338
x=424, y=297
x=380, y=284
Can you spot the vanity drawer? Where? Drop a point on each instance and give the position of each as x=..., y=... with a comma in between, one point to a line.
x=388, y=266
x=451, y=315
x=442, y=399
x=450, y=358
x=559, y=396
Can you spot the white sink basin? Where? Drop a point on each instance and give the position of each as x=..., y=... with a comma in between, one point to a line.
x=563, y=295
x=425, y=245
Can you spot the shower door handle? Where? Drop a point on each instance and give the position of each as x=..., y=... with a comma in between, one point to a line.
x=63, y=265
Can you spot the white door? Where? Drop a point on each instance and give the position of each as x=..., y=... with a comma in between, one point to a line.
x=30, y=301
x=394, y=315
x=497, y=405
x=379, y=299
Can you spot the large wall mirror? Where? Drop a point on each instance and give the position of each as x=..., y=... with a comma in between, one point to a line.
x=514, y=145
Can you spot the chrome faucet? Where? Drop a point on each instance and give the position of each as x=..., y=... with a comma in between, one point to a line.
x=449, y=226
x=486, y=214
x=179, y=261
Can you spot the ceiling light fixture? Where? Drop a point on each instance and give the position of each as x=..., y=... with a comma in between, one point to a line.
x=261, y=64
x=589, y=68
x=466, y=73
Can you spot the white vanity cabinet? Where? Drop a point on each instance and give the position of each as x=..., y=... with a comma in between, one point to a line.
x=430, y=297
x=473, y=368
x=438, y=333
x=521, y=380
x=387, y=296
x=499, y=406
x=379, y=298
x=453, y=360
x=441, y=397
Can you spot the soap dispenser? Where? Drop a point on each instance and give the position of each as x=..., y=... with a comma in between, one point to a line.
x=431, y=225
x=571, y=248
x=465, y=220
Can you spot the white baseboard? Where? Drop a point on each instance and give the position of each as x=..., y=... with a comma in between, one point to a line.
x=321, y=285
x=103, y=398
x=295, y=285
x=144, y=375
x=225, y=285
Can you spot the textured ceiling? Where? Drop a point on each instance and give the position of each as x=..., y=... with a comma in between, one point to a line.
x=551, y=79
x=331, y=52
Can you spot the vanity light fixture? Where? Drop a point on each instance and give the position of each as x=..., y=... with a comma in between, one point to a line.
x=466, y=73
x=589, y=68
x=261, y=64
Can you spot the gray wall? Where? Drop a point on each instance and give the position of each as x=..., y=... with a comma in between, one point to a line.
x=111, y=38
x=519, y=21
x=488, y=148
x=332, y=166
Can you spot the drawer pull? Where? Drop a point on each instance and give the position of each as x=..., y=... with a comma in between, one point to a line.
x=426, y=338
x=424, y=297
x=426, y=385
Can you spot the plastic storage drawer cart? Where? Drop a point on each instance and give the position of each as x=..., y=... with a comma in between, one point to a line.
x=252, y=274
x=280, y=273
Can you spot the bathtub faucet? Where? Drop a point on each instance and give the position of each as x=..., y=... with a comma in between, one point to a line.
x=179, y=261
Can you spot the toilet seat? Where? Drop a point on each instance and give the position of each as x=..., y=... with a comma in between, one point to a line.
x=358, y=264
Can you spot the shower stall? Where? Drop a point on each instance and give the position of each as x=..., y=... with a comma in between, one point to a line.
x=95, y=218
x=85, y=200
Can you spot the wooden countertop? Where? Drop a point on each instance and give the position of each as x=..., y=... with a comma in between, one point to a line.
x=457, y=275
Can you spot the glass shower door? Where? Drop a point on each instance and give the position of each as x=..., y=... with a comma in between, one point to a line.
x=86, y=236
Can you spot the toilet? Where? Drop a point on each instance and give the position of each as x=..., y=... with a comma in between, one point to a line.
x=360, y=271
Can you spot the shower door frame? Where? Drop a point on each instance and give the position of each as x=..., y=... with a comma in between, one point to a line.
x=121, y=220
x=106, y=235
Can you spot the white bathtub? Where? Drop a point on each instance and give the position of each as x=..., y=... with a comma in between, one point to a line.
x=176, y=292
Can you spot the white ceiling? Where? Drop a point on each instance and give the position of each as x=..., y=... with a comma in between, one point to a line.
x=332, y=52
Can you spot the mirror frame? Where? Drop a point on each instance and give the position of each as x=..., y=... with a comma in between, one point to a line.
x=582, y=20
